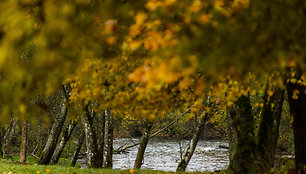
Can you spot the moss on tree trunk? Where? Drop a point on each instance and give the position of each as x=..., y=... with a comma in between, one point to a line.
x=269, y=128
x=297, y=103
x=244, y=153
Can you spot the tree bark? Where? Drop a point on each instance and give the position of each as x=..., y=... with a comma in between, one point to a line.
x=24, y=142
x=78, y=149
x=244, y=154
x=108, y=140
x=269, y=129
x=101, y=137
x=66, y=136
x=93, y=159
x=193, y=143
x=1, y=141
x=297, y=103
x=58, y=110
x=142, y=146
x=232, y=140
x=38, y=139
x=8, y=136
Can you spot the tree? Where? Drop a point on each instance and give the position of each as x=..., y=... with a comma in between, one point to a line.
x=24, y=142
x=67, y=132
x=268, y=132
x=8, y=136
x=93, y=158
x=58, y=111
x=143, y=144
x=1, y=140
x=244, y=155
x=108, y=139
x=78, y=149
x=297, y=100
x=205, y=115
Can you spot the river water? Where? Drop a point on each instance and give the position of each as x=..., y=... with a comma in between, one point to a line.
x=164, y=154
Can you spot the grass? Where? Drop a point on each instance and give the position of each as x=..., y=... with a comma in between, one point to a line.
x=32, y=161
x=12, y=166
x=6, y=168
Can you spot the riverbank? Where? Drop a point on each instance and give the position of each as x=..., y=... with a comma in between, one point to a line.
x=10, y=168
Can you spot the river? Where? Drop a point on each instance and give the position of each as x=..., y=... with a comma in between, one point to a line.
x=164, y=154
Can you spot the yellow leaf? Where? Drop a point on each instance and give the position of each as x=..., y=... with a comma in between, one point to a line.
x=270, y=93
x=131, y=171
x=208, y=109
x=22, y=109
x=111, y=40
x=203, y=19
x=295, y=94
x=293, y=80
x=229, y=103
x=140, y=17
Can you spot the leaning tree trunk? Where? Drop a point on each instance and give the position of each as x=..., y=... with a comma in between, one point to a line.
x=38, y=140
x=193, y=143
x=297, y=103
x=78, y=149
x=269, y=129
x=142, y=145
x=93, y=159
x=24, y=142
x=58, y=110
x=66, y=136
x=108, y=140
x=244, y=154
x=8, y=136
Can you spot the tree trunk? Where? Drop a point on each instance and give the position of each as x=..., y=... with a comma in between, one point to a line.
x=142, y=146
x=93, y=159
x=244, y=154
x=232, y=140
x=108, y=140
x=101, y=137
x=297, y=103
x=269, y=128
x=1, y=141
x=193, y=143
x=24, y=142
x=8, y=136
x=78, y=149
x=66, y=136
x=58, y=110
x=38, y=139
